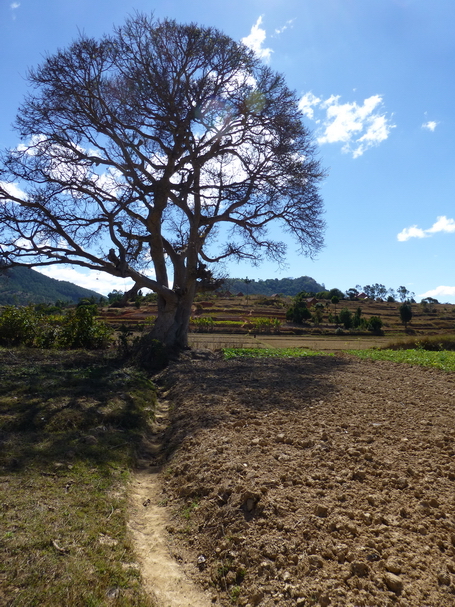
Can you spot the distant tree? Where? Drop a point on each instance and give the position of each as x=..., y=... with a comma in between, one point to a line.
x=115, y=296
x=381, y=291
x=369, y=291
x=336, y=293
x=375, y=324
x=405, y=313
x=298, y=312
x=322, y=295
x=138, y=148
x=335, y=300
x=352, y=294
x=430, y=300
x=392, y=295
x=345, y=317
x=357, y=320
x=318, y=314
x=404, y=294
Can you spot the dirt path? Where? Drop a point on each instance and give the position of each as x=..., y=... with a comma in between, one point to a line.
x=164, y=578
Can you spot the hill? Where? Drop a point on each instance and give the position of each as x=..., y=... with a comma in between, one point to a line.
x=24, y=285
x=271, y=286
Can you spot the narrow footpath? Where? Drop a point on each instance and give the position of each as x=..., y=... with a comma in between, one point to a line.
x=164, y=578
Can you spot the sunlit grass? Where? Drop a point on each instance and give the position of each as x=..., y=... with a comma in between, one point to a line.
x=229, y=353
x=444, y=360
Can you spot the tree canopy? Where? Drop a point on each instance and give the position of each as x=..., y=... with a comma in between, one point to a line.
x=154, y=153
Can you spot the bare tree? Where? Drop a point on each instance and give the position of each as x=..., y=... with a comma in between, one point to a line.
x=153, y=154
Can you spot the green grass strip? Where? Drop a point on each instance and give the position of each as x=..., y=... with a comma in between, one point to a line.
x=444, y=360
x=229, y=353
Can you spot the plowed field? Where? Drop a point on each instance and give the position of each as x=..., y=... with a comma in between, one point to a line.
x=315, y=481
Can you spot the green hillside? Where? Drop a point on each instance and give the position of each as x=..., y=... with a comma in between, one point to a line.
x=272, y=286
x=21, y=286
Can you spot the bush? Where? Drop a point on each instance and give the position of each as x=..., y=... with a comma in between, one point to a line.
x=405, y=313
x=345, y=317
x=150, y=354
x=375, y=325
x=298, y=312
x=78, y=328
x=81, y=329
x=18, y=326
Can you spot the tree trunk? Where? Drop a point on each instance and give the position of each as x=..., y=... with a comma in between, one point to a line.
x=170, y=333
x=172, y=324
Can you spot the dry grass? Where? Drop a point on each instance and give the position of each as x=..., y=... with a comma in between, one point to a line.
x=70, y=428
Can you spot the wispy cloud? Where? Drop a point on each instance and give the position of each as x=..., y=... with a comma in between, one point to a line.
x=431, y=125
x=256, y=39
x=280, y=30
x=14, y=6
x=442, y=224
x=358, y=127
x=439, y=292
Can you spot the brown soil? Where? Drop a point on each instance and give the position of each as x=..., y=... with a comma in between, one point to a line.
x=316, y=481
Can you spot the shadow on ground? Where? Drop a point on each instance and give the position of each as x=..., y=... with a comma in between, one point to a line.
x=67, y=406
x=273, y=380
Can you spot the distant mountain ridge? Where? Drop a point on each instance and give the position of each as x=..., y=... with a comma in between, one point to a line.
x=21, y=286
x=272, y=286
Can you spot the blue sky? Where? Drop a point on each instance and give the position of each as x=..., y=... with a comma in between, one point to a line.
x=376, y=84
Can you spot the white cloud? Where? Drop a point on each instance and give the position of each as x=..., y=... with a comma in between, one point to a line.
x=438, y=292
x=256, y=39
x=101, y=282
x=358, y=127
x=431, y=125
x=412, y=232
x=13, y=190
x=442, y=224
x=306, y=104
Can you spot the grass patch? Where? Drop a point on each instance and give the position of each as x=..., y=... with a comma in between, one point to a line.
x=432, y=343
x=71, y=425
x=229, y=353
x=444, y=360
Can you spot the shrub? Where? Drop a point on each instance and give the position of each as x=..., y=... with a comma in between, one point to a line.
x=150, y=354
x=298, y=313
x=81, y=329
x=78, y=328
x=405, y=313
x=18, y=326
x=345, y=317
x=375, y=325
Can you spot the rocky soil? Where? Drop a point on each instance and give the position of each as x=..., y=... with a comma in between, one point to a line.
x=315, y=481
